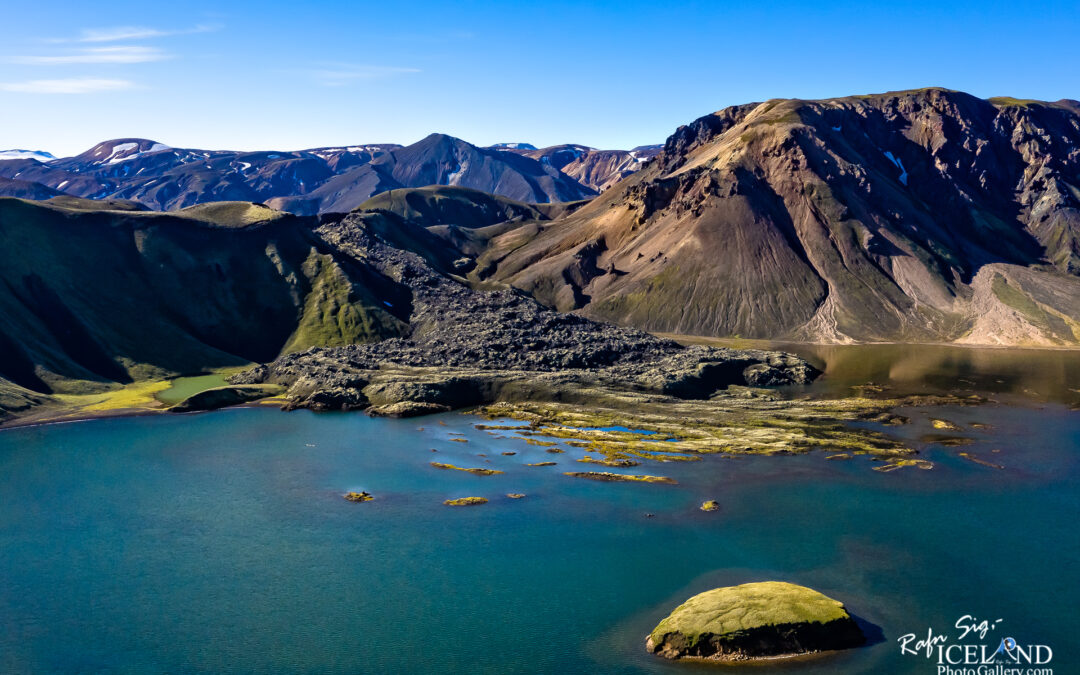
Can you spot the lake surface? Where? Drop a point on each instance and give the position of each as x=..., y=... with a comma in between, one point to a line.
x=1009, y=374
x=219, y=543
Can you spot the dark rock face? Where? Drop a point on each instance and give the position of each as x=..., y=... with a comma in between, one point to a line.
x=767, y=641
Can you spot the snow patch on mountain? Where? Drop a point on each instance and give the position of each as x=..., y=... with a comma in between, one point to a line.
x=39, y=155
x=899, y=165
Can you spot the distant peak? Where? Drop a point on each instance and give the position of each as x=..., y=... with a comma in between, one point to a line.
x=120, y=149
x=39, y=155
x=513, y=146
x=440, y=138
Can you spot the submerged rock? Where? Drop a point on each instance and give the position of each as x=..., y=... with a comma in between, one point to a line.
x=620, y=477
x=478, y=472
x=757, y=620
x=944, y=425
x=406, y=409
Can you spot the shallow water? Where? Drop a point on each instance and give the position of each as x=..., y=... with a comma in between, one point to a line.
x=219, y=543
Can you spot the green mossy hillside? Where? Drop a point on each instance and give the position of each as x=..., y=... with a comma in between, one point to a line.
x=94, y=298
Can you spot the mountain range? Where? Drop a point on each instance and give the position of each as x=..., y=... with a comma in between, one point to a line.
x=917, y=216
x=312, y=181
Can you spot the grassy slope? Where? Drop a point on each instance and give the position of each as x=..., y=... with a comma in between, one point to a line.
x=89, y=299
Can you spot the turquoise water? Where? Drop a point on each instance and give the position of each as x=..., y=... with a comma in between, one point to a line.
x=219, y=543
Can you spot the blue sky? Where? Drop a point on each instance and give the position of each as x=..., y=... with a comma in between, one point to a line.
x=288, y=75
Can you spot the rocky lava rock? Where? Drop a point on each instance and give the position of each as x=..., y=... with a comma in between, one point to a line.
x=466, y=347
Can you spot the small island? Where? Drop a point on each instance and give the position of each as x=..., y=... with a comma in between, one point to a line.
x=768, y=619
x=466, y=501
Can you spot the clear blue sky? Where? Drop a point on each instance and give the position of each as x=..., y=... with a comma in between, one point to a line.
x=291, y=75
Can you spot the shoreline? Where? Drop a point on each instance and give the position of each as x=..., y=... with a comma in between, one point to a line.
x=770, y=343
x=759, y=661
x=29, y=421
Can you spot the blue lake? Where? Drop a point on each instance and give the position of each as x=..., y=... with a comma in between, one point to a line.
x=219, y=543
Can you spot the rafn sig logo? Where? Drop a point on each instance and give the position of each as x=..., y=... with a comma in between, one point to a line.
x=975, y=650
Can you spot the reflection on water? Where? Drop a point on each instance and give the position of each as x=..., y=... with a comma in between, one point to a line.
x=1039, y=374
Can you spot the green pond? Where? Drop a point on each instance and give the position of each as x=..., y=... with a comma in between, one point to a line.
x=183, y=387
x=220, y=543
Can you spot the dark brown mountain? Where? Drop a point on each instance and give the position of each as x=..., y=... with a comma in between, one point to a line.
x=926, y=215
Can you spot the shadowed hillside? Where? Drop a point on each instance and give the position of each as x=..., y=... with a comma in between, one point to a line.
x=112, y=295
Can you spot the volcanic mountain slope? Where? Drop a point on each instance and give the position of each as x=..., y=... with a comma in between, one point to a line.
x=926, y=215
x=92, y=297
x=441, y=160
x=598, y=169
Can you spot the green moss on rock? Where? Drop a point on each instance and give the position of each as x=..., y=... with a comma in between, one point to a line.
x=756, y=620
x=478, y=472
x=466, y=501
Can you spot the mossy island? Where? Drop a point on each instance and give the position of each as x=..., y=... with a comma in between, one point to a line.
x=475, y=471
x=466, y=501
x=620, y=477
x=763, y=620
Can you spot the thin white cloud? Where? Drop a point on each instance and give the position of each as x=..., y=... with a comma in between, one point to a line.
x=342, y=74
x=121, y=33
x=116, y=54
x=84, y=85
